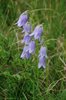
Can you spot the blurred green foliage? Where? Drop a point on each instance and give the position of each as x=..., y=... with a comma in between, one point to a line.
x=21, y=79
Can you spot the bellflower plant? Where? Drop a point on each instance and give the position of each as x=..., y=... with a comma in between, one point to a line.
x=30, y=38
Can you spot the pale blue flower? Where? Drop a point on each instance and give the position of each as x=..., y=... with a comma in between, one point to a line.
x=37, y=32
x=22, y=19
x=25, y=53
x=42, y=57
x=43, y=52
x=27, y=28
x=32, y=47
x=42, y=62
x=26, y=39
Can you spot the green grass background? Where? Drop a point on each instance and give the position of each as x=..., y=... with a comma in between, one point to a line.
x=21, y=79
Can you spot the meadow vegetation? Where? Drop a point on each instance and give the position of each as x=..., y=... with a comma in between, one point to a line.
x=21, y=79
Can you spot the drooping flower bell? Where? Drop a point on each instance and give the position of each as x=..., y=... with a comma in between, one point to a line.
x=26, y=39
x=27, y=28
x=37, y=32
x=42, y=57
x=32, y=47
x=43, y=52
x=25, y=53
x=42, y=62
x=22, y=19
